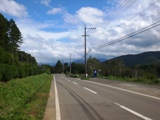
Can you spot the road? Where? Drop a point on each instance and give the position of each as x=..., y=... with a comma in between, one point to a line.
x=81, y=100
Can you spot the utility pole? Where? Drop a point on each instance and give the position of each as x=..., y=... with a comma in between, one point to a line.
x=70, y=64
x=85, y=58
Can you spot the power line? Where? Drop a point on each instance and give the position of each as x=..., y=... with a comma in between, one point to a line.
x=84, y=56
x=120, y=11
x=114, y=15
x=136, y=32
x=151, y=4
x=143, y=10
x=129, y=35
x=117, y=13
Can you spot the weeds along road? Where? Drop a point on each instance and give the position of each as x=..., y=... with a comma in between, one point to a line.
x=81, y=100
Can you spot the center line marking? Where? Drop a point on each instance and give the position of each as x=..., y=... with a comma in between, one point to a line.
x=133, y=112
x=75, y=83
x=90, y=90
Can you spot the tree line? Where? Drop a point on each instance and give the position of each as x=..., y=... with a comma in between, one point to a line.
x=13, y=62
x=111, y=68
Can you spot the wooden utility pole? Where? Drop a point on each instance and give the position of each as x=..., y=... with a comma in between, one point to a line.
x=85, y=58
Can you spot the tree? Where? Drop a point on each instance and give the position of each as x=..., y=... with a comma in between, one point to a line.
x=66, y=67
x=14, y=63
x=93, y=64
x=15, y=37
x=10, y=39
x=115, y=67
x=74, y=68
x=58, y=67
x=3, y=31
x=80, y=68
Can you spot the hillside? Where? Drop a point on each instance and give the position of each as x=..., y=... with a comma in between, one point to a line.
x=142, y=58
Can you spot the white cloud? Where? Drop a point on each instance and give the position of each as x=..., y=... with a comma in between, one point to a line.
x=45, y=2
x=12, y=8
x=90, y=15
x=68, y=18
x=55, y=11
x=37, y=29
x=87, y=15
x=123, y=25
x=49, y=46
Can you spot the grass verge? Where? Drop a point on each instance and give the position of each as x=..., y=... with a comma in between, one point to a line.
x=24, y=99
x=139, y=79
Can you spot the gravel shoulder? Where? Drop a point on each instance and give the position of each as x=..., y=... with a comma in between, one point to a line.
x=148, y=89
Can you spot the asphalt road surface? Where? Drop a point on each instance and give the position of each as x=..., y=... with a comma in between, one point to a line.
x=81, y=100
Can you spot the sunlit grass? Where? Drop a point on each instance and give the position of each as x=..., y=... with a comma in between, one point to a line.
x=24, y=98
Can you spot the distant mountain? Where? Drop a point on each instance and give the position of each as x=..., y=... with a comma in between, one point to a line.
x=142, y=58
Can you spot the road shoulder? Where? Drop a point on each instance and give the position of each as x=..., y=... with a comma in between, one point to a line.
x=153, y=90
x=50, y=111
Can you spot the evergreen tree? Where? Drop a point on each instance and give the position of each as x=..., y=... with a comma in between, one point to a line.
x=58, y=67
x=15, y=37
x=66, y=67
x=3, y=32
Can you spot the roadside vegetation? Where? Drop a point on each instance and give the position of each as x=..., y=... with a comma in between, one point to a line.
x=146, y=80
x=24, y=99
x=114, y=69
x=13, y=62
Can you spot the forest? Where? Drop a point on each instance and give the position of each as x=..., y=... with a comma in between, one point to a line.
x=13, y=62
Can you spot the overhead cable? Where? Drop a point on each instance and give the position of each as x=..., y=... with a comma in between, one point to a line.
x=129, y=35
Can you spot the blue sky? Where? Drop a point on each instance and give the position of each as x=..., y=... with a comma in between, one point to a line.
x=52, y=29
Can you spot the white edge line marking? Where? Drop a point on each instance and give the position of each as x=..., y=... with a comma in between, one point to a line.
x=133, y=112
x=58, y=114
x=90, y=90
x=75, y=83
x=125, y=90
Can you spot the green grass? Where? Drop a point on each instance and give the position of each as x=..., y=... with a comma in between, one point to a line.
x=139, y=79
x=24, y=99
x=83, y=78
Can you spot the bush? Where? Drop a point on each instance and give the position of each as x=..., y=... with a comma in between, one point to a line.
x=23, y=72
x=1, y=72
x=48, y=71
x=8, y=72
x=16, y=72
x=31, y=71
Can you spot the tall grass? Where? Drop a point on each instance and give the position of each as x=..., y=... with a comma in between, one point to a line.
x=145, y=79
x=25, y=98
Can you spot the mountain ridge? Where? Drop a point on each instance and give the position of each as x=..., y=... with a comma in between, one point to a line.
x=145, y=58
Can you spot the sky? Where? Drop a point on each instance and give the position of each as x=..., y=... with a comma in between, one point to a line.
x=52, y=29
